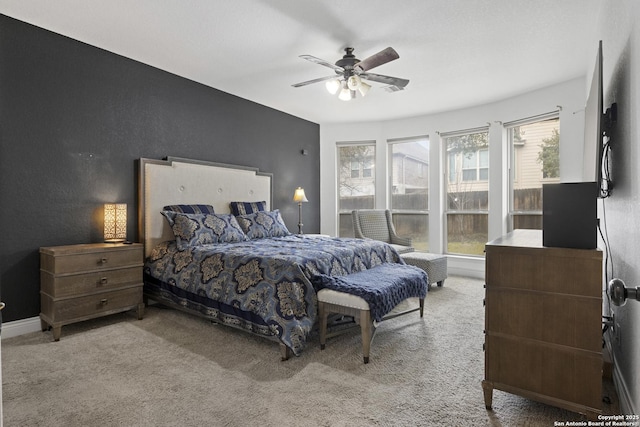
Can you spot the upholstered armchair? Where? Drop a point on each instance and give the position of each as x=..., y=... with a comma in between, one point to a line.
x=376, y=224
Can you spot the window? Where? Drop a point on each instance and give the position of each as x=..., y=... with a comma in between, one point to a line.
x=355, y=170
x=410, y=189
x=362, y=168
x=367, y=168
x=356, y=181
x=535, y=159
x=467, y=207
x=475, y=166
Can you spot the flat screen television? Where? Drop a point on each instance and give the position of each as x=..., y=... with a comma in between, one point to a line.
x=594, y=148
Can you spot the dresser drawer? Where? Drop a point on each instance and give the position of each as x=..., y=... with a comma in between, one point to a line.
x=553, y=372
x=80, y=284
x=84, y=258
x=86, y=307
x=545, y=317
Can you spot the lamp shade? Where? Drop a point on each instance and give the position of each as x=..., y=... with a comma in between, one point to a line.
x=345, y=94
x=353, y=82
x=363, y=88
x=332, y=86
x=115, y=222
x=299, y=196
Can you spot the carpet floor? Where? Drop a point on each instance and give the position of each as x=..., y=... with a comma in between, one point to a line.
x=174, y=369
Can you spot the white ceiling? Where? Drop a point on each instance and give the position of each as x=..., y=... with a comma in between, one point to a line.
x=456, y=53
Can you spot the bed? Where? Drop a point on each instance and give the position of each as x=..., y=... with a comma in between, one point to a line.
x=262, y=283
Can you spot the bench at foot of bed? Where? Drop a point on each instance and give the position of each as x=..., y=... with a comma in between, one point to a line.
x=370, y=295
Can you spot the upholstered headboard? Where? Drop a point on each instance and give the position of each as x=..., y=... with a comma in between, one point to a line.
x=184, y=181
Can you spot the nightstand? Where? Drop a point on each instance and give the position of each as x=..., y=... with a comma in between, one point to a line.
x=81, y=282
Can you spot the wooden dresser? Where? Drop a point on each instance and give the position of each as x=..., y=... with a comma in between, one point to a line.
x=543, y=322
x=80, y=282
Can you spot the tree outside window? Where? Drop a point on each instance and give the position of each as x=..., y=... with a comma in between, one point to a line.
x=549, y=155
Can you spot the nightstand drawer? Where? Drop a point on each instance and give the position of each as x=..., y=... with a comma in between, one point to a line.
x=79, y=284
x=84, y=258
x=86, y=307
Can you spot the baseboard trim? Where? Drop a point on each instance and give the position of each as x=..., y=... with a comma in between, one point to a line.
x=465, y=266
x=21, y=327
x=624, y=397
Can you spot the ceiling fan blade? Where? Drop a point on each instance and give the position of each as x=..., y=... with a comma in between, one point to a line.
x=392, y=88
x=382, y=57
x=322, y=62
x=391, y=81
x=321, y=79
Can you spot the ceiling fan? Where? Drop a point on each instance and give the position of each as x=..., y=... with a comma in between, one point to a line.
x=351, y=72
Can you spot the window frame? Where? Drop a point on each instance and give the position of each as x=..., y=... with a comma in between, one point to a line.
x=514, y=164
x=341, y=213
x=423, y=173
x=448, y=174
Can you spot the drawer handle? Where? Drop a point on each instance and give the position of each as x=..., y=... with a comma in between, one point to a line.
x=103, y=260
x=103, y=301
x=103, y=280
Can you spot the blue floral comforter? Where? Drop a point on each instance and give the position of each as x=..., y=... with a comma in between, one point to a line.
x=262, y=285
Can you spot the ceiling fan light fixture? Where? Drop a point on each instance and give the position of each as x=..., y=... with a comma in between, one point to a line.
x=351, y=73
x=332, y=86
x=354, y=82
x=345, y=94
x=363, y=88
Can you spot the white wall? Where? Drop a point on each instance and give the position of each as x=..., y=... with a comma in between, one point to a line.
x=569, y=97
x=620, y=37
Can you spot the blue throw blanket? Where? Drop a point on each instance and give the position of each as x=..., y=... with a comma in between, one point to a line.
x=382, y=287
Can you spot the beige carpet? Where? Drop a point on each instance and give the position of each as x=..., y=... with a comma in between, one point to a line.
x=178, y=370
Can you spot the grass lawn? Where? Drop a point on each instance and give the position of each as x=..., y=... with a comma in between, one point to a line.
x=467, y=248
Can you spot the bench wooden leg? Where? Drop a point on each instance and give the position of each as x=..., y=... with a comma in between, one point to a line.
x=285, y=352
x=421, y=307
x=322, y=317
x=366, y=328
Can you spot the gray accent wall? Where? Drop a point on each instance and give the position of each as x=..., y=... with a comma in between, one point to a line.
x=75, y=118
x=620, y=214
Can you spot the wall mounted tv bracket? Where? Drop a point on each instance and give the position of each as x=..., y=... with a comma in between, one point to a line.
x=609, y=118
x=619, y=293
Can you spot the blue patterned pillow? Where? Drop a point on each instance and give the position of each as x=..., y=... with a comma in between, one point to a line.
x=203, y=229
x=169, y=211
x=190, y=209
x=170, y=216
x=263, y=224
x=246, y=208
